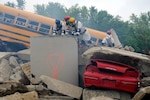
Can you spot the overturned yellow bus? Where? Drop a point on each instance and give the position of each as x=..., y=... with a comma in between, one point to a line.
x=18, y=26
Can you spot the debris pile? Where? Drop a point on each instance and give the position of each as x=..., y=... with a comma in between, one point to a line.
x=18, y=82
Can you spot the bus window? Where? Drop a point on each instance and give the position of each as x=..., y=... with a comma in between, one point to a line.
x=33, y=25
x=44, y=28
x=21, y=21
x=99, y=41
x=93, y=39
x=1, y=16
x=9, y=18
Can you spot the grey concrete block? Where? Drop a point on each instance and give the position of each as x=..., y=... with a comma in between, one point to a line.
x=88, y=94
x=56, y=57
x=62, y=87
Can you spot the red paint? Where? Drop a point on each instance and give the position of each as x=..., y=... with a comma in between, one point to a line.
x=55, y=64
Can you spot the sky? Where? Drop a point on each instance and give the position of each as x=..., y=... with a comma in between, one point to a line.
x=123, y=8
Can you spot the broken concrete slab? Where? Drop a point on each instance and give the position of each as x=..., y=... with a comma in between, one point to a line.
x=137, y=60
x=62, y=87
x=7, y=88
x=10, y=66
x=5, y=70
x=13, y=61
x=35, y=81
x=16, y=55
x=112, y=51
x=88, y=94
x=142, y=93
x=26, y=68
x=145, y=82
x=101, y=98
x=24, y=96
x=116, y=39
x=25, y=51
x=55, y=98
x=24, y=54
x=2, y=54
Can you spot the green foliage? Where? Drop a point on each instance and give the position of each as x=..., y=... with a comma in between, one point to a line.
x=53, y=10
x=20, y=4
x=10, y=4
x=84, y=16
x=103, y=20
x=131, y=32
x=92, y=17
x=40, y=9
x=140, y=32
x=135, y=32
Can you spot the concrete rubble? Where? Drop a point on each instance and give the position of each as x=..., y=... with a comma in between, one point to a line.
x=137, y=60
x=62, y=87
x=101, y=98
x=17, y=82
x=7, y=88
x=89, y=94
x=24, y=96
x=142, y=94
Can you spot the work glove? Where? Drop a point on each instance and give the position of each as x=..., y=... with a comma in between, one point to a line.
x=54, y=33
x=66, y=32
x=62, y=33
x=73, y=33
x=77, y=34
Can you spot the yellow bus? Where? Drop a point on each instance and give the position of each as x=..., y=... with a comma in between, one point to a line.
x=18, y=26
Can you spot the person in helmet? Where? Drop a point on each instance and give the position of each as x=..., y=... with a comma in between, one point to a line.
x=66, y=24
x=58, y=28
x=66, y=19
x=108, y=40
x=76, y=28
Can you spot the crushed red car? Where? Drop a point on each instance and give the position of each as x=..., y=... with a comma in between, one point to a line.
x=112, y=75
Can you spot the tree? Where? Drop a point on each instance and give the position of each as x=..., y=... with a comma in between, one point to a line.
x=84, y=15
x=122, y=28
x=104, y=20
x=21, y=4
x=40, y=9
x=53, y=10
x=10, y=4
x=75, y=11
x=140, y=32
x=92, y=17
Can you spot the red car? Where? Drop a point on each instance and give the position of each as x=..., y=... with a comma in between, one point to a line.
x=111, y=75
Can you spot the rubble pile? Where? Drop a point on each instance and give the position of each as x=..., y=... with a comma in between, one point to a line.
x=17, y=82
x=139, y=61
x=136, y=60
